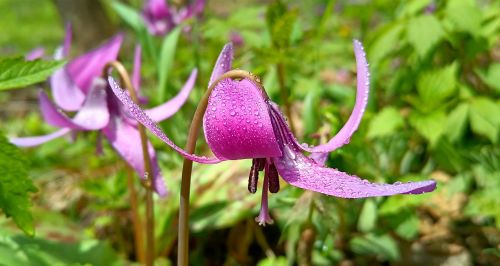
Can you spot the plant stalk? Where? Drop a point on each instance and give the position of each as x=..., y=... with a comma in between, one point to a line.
x=284, y=95
x=136, y=219
x=148, y=184
x=194, y=130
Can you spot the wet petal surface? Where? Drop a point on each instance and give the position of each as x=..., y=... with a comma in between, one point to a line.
x=237, y=123
x=300, y=171
x=223, y=64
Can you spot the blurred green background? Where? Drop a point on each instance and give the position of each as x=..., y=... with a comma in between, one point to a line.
x=434, y=112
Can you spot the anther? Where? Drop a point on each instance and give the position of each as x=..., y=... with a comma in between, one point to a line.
x=253, y=178
x=274, y=182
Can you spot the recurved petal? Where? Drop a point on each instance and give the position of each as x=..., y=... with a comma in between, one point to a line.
x=94, y=113
x=300, y=171
x=223, y=64
x=137, y=113
x=66, y=93
x=34, y=54
x=166, y=110
x=126, y=140
x=363, y=88
x=37, y=140
x=86, y=67
x=237, y=123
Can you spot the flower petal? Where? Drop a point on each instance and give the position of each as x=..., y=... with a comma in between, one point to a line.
x=300, y=171
x=34, y=54
x=136, y=72
x=37, y=140
x=85, y=68
x=67, y=41
x=223, y=64
x=92, y=116
x=137, y=113
x=126, y=140
x=363, y=88
x=66, y=93
x=237, y=123
x=166, y=110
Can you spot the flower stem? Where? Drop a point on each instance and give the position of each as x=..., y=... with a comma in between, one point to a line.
x=136, y=219
x=194, y=130
x=148, y=184
x=284, y=95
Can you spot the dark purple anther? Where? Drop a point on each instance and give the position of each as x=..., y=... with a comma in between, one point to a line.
x=274, y=182
x=253, y=178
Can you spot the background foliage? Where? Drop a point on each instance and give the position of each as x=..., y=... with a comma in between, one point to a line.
x=434, y=112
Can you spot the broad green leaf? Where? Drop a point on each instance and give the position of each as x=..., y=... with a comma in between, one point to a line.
x=17, y=73
x=430, y=126
x=464, y=16
x=374, y=245
x=167, y=55
x=485, y=203
x=385, y=123
x=15, y=186
x=434, y=86
x=457, y=122
x=423, y=32
x=368, y=216
x=492, y=76
x=129, y=15
x=310, y=111
x=485, y=118
x=385, y=43
x=408, y=229
x=410, y=8
x=280, y=23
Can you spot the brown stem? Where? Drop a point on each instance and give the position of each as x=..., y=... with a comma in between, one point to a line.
x=284, y=95
x=148, y=184
x=194, y=130
x=136, y=219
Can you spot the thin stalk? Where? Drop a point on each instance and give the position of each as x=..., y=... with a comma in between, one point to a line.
x=194, y=130
x=136, y=219
x=284, y=95
x=148, y=184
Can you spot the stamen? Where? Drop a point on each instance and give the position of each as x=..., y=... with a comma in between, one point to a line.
x=261, y=163
x=253, y=178
x=274, y=182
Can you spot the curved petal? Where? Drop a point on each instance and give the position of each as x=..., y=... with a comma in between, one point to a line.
x=86, y=67
x=237, y=124
x=166, y=110
x=66, y=93
x=37, y=140
x=300, y=171
x=93, y=115
x=136, y=72
x=126, y=140
x=137, y=113
x=363, y=88
x=67, y=40
x=34, y=54
x=223, y=64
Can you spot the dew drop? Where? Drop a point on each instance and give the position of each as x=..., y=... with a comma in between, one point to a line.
x=256, y=113
x=213, y=108
x=289, y=153
x=232, y=113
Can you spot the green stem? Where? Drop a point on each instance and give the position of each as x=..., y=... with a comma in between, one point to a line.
x=148, y=184
x=194, y=130
x=284, y=95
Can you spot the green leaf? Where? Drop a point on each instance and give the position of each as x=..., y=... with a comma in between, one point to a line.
x=385, y=123
x=311, y=101
x=129, y=15
x=464, y=16
x=16, y=72
x=383, y=246
x=368, y=216
x=385, y=43
x=280, y=23
x=15, y=186
x=167, y=55
x=408, y=228
x=485, y=118
x=430, y=126
x=485, y=203
x=457, y=122
x=423, y=32
x=410, y=8
x=434, y=86
x=491, y=77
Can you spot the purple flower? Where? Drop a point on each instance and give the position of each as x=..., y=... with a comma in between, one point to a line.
x=79, y=87
x=161, y=18
x=242, y=123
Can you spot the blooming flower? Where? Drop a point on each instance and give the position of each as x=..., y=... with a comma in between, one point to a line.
x=161, y=18
x=79, y=87
x=243, y=123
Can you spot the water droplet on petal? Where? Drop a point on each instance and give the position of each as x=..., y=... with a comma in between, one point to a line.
x=232, y=113
x=289, y=153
